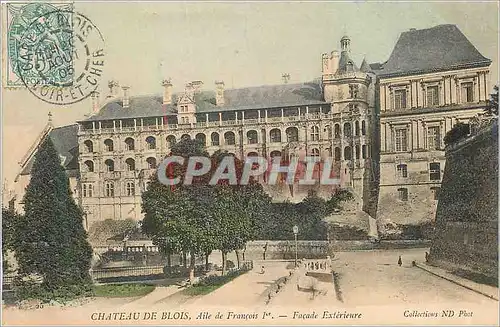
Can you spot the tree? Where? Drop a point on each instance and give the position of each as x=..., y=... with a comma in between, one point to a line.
x=175, y=216
x=458, y=132
x=9, y=220
x=50, y=239
x=492, y=106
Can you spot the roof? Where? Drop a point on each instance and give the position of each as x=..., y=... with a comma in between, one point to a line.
x=364, y=67
x=344, y=60
x=66, y=143
x=259, y=97
x=443, y=47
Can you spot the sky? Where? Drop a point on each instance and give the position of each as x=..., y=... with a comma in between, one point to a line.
x=241, y=43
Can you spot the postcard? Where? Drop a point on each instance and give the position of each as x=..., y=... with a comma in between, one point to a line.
x=249, y=163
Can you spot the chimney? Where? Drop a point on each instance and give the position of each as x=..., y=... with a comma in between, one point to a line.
x=334, y=61
x=189, y=90
x=326, y=63
x=95, y=102
x=219, y=93
x=113, y=89
x=167, y=91
x=126, y=98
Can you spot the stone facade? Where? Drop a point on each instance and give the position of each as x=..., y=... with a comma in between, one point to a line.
x=467, y=213
x=383, y=124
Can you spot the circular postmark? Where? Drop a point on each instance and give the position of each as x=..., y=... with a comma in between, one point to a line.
x=61, y=57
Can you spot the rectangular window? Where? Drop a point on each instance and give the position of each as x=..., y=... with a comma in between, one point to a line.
x=435, y=171
x=435, y=192
x=433, y=138
x=467, y=92
x=402, y=170
x=401, y=140
x=110, y=189
x=130, y=189
x=403, y=194
x=432, y=96
x=87, y=190
x=400, y=99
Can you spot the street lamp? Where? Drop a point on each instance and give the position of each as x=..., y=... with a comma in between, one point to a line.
x=295, y=232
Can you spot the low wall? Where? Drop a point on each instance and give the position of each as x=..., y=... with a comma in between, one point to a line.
x=279, y=250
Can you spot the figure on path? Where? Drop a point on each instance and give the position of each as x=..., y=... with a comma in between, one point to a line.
x=400, y=262
x=262, y=271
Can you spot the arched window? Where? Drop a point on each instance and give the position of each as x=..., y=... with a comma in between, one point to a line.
x=347, y=153
x=215, y=139
x=329, y=132
x=357, y=151
x=89, y=146
x=151, y=162
x=363, y=128
x=151, y=141
x=337, y=131
x=275, y=154
x=110, y=189
x=130, y=164
x=275, y=135
x=89, y=166
x=201, y=138
x=229, y=138
x=347, y=129
x=108, y=144
x=130, y=143
x=315, y=133
x=356, y=128
x=252, y=137
x=252, y=154
x=337, y=154
x=185, y=137
x=363, y=151
x=171, y=141
x=315, y=152
x=110, y=165
x=292, y=134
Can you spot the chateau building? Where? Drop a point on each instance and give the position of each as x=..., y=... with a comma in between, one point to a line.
x=383, y=124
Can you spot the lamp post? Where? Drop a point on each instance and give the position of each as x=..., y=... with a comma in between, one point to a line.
x=295, y=232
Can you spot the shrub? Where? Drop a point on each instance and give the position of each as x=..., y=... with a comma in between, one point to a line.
x=459, y=131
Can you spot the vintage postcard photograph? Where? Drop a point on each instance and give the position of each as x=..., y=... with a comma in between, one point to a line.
x=249, y=163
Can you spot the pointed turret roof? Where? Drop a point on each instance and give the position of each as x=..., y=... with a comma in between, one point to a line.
x=346, y=64
x=364, y=66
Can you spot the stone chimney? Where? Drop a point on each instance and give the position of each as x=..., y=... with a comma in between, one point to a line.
x=219, y=93
x=126, y=98
x=326, y=63
x=334, y=61
x=113, y=89
x=95, y=102
x=189, y=89
x=167, y=91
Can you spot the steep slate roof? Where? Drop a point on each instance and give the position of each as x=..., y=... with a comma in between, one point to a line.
x=66, y=143
x=344, y=59
x=364, y=66
x=258, y=97
x=437, y=48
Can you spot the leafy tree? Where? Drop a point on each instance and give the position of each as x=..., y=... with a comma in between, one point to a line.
x=492, y=107
x=458, y=132
x=51, y=241
x=9, y=220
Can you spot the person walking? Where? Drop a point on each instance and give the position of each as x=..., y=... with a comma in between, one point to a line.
x=400, y=262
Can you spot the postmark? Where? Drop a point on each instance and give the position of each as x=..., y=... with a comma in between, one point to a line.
x=61, y=57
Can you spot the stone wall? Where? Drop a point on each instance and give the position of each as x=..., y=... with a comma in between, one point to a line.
x=466, y=235
x=279, y=250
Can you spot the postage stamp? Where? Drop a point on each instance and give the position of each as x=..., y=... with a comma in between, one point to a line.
x=59, y=57
x=18, y=17
x=250, y=163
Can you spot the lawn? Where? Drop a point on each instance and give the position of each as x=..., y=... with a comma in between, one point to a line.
x=122, y=290
x=211, y=283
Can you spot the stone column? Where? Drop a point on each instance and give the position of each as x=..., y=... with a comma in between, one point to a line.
x=206, y=120
x=383, y=136
x=441, y=92
x=390, y=134
x=220, y=118
x=476, y=89
x=135, y=124
x=414, y=135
